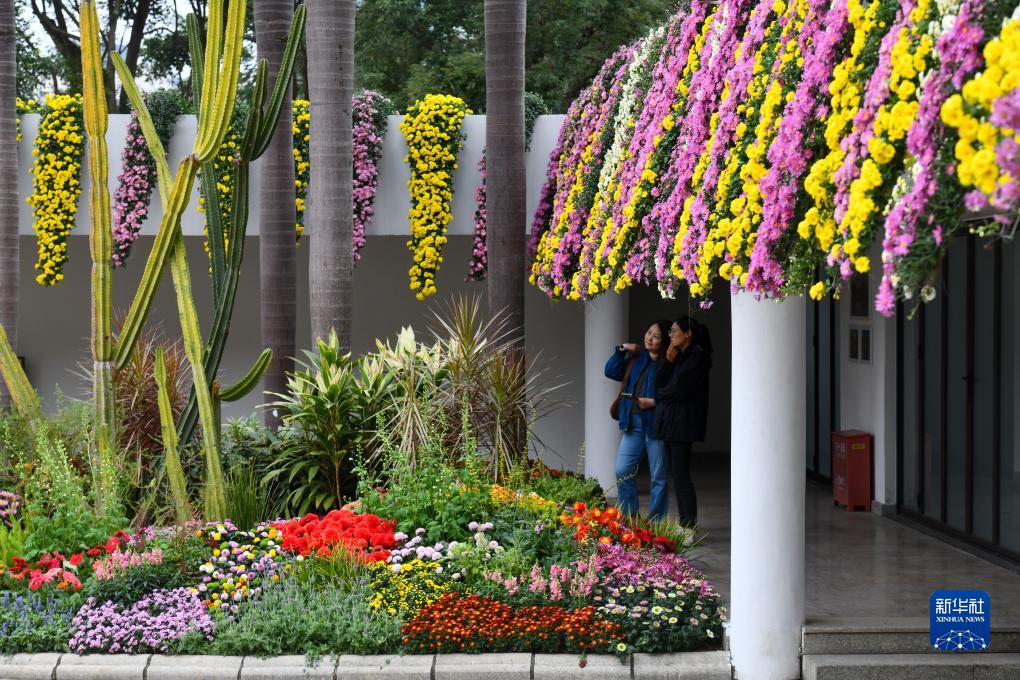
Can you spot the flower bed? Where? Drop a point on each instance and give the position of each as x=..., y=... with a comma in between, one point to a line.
x=533, y=575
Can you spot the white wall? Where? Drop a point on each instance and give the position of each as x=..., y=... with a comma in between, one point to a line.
x=391, y=204
x=54, y=322
x=868, y=390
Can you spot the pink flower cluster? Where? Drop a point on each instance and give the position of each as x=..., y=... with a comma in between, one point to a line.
x=577, y=581
x=479, y=251
x=369, y=111
x=790, y=154
x=119, y=561
x=134, y=189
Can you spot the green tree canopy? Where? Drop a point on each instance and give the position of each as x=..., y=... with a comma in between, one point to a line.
x=407, y=48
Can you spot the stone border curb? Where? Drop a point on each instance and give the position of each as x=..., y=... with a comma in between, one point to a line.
x=681, y=666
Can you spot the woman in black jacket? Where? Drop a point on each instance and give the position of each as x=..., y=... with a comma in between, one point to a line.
x=681, y=405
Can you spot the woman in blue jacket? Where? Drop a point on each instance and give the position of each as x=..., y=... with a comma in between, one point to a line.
x=636, y=368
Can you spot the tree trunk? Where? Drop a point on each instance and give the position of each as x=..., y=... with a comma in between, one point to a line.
x=331, y=215
x=504, y=140
x=10, y=261
x=277, y=249
x=505, y=22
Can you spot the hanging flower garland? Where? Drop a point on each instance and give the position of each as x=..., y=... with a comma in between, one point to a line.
x=56, y=182
x=534, y=106
x=557, y=257
x=633, y=219
x=621, y=129
x=702, y=227
x=986, y=116
x=777, y=138
x=925, y=208
x=370, y=110
x=138, y=172
x=479, y=248
x=300, y=124
x=432, y=127
x=223, y=170
x=773, y=91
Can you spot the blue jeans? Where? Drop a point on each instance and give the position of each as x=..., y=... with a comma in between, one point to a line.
x=632, y=445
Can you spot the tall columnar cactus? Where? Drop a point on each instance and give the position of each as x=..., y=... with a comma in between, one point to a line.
x=219, y=89
x=174, y=470
x=100, y=243
x=226, y=256
x=221, y=67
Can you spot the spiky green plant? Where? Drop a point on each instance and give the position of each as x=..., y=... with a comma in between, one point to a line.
x=227, y=253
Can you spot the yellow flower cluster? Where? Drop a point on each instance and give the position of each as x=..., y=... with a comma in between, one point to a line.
x=846, y=90
x=405, y=589
x=530, y=502
x=302, y=117
x=432, y=129
x=22, y=106
x=223, y=169
x=970, y=111
x=56, y=182
x=910, y=57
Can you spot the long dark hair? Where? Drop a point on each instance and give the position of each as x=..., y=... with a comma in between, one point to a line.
x=699, y=334
x=664, y=325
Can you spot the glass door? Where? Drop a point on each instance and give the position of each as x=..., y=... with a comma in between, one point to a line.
x=956, y=404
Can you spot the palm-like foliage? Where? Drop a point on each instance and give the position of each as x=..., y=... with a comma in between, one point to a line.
x=332, y=418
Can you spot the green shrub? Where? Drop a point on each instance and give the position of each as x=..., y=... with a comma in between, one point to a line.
x=35, y=623
x=432, y=494
x=130, y=585
x=293, y=619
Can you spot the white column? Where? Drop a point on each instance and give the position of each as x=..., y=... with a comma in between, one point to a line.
x=767, y=487
x=605, y=327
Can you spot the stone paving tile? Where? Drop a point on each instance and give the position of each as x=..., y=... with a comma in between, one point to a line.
x=28, y=666
x=193, y=667
x=288, y=667
x=489, y=666
x=101, y=667
x=382, y=666
x=601, y=667
x=690, y=666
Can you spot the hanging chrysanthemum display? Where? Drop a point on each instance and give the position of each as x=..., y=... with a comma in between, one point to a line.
x=369, y=110
x=768, y=141
x=534, y=106
x=56, y=182
x=434, y=138
x=223, y=170
x=300, y=122
x=138, y=172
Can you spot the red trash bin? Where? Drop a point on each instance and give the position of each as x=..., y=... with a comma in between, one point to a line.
x=851, y=469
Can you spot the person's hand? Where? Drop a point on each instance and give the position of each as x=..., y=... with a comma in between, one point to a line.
x=672, y=352
x=645, y=403
x=630, y=347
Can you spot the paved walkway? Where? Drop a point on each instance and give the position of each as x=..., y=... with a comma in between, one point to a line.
x=858, y=564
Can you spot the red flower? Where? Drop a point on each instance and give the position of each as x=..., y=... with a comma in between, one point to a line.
x=92, y=552
x=76, y=559
x=112, y=545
